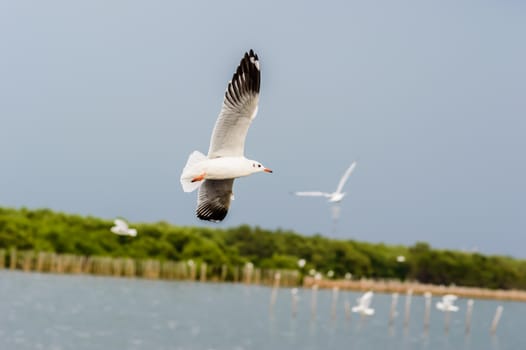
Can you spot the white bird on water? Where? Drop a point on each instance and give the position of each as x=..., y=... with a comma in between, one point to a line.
x=214, y=174
x=447, y=302
x=334, y=197
x=121, y=228
x=364, y=303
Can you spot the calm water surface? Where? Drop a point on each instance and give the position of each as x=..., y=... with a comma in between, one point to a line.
x=42, y=311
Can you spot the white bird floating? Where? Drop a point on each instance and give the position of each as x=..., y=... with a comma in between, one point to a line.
x=363, y=304
x=334, y=197
x=214, y=174
x=121, y=228
x=446, y=305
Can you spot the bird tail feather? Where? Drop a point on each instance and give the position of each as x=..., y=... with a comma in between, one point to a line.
x=192, y=169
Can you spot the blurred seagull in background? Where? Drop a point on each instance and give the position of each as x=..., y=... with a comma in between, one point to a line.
x=214, y=174
x=334, y=197
x=121, y=228
x=447, y=302
x=363, y=304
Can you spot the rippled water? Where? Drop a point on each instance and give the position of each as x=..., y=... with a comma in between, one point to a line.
x=40, y=311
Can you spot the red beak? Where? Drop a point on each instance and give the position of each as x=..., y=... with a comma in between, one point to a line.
x=267, y=170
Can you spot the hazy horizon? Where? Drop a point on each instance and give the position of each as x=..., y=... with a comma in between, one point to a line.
x=102, y=103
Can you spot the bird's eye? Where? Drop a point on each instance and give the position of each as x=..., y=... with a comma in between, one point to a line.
x=259, y=165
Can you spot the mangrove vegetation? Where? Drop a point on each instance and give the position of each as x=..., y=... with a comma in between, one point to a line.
x=44, y=230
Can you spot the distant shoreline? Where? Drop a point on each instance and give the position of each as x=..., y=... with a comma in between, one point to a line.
x=393, y=286
x=31, y=261
x=85, y=244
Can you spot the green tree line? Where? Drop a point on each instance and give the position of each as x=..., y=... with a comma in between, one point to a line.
x=46, y=230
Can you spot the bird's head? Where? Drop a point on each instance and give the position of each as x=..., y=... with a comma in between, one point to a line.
x=257, y=167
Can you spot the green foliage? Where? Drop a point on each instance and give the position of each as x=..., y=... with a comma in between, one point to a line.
x=45, y=230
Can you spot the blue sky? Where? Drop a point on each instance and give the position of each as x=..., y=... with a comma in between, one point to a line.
x=102, y=102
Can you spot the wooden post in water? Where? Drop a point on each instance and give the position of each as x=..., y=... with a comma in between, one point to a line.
x=257, y=276
x=202, y=274
x=12, y=258
x=407, y=307
x=58, y=261
x=224, y=272
x=2, y=258
x=294, y=294
x=392, y=311
x=274, y=293
x=191, y=264
x=295, y=276
x=28, y=260
x=469, y=312
x=249, y=267
x=313, y=300
x=236, y=274
x=116, y=267
x=182, y=270
x=496, y=319
x=156, y=267
x=130, y=268
x=427, y=311
x=335, y=291
x=79, y=261
x=40, y=261
x=65, y=261
x=347, y=308
x=88, y=266
x=52, y=262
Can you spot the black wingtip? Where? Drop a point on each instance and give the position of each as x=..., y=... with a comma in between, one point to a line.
x=247, y=78
x=251, y=53
x=215, y=215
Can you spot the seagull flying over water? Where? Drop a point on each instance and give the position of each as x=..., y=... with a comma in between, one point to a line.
x=447, y=303
x=363, y=304
x=121, y=228
x=334, y=197
x=214, y=174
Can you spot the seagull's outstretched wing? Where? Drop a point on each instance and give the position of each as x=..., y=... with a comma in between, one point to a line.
x=313, y=194
x=121, y=224
x=345, y=177
x=214, y=199
x=239, y=109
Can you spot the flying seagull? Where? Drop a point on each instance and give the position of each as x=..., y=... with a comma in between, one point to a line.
x=121, y=228
x=214, y=174
x=363, y=304
x=447, y=303
x=334, y=197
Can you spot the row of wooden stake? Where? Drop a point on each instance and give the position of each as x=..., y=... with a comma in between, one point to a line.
x=144, y=268
x=392, y=311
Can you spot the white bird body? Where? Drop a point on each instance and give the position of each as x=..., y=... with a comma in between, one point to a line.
x=336, y=197
x=214, y=174
x=446, y=307
x=446, y=304
x=121, y=228
x=332, y=197
x=364, y=303
x=217, y=169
